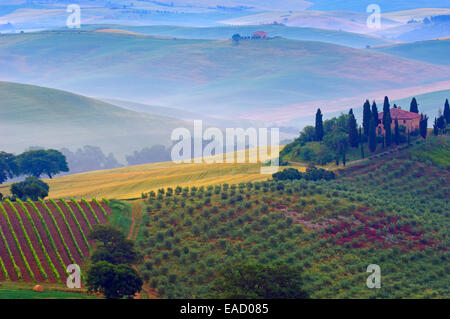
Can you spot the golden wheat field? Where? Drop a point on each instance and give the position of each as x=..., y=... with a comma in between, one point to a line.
x=130, y=182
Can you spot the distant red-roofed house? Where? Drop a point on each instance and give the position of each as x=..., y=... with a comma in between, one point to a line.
x=260, y=35
x=410, y=120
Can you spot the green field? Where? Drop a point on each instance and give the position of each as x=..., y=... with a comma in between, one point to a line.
x=38, y=116
x=14, y=290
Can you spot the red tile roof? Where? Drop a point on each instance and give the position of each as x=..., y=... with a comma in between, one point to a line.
x=399, y=114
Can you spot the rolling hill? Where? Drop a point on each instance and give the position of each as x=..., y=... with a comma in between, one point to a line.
x=214, y=77
x=431, y=51
x=349, y=39
x=52, y=118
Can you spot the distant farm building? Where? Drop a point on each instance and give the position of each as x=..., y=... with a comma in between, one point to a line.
x=260, y=35
x=410, y=120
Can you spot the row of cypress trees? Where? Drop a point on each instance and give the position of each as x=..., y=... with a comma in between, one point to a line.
x=371, y=121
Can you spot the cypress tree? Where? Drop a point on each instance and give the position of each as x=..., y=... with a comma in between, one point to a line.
x=388, y=130
x=441, y=123
x=372, y=136
x=413, y=106
x=361, y=142
x=395, y=106
x=386, y=109
x=367, y=114
x=352, y=130
x=423, y=125
x=447, y=112
x=319, y=126
x=387, y=120
x=435, y=127
x=375, y=114
x=397, y=133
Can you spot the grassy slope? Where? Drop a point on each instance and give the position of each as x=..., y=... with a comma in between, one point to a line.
x=40, y=116
x=432, y=51
x=18, y=290
x=349, y=39
x=246, y=78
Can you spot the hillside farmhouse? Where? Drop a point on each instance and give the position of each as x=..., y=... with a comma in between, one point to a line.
x=260, y=35
x=408, y=119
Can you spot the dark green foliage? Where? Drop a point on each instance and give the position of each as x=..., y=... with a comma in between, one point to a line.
x=361, y=141
x=413, y=106
x=319, y=126
x=39, y=162
x=236, y=37
x=372, y=136
x=387, y=120
x=113, y=281
x=112, y=246
x=31, y=187
x=423, y=125
x=388, y=129
x=396, y=133
x=311, y=174
x=367, y=114
x=447, y=112
x=353, y=137
x=257, y=281
x=374, y=115
x=8, y=166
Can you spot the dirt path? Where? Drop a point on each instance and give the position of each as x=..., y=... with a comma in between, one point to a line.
x=136, y=217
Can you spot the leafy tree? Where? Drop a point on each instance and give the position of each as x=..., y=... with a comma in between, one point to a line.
x=337, y=141
x=372, y=136
x=31, y=187
x=8, y=166
x=113, y=281
x=287, y=174
x=396, y=133
x=413, y=106
x=236, y=37
x=256, y=281
x=352, y=130
x=367, y=114
x=423, y=125
x=111, y=272
x=112, y=246
x=447, y=112
x=38, y=162
x=319, y=126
